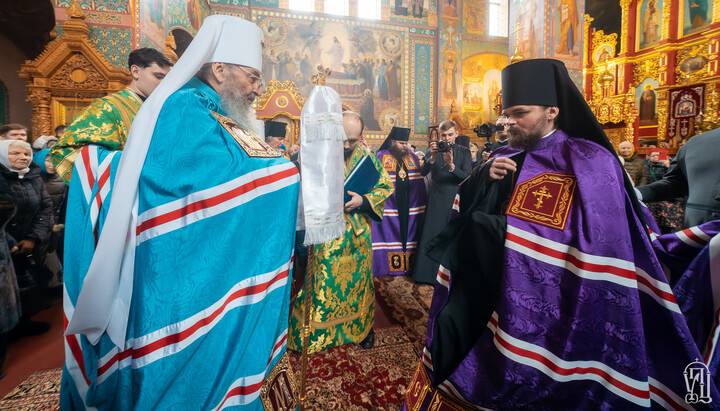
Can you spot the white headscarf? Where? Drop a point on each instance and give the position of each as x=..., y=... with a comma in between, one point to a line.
x=4, y=160
x=104, y=301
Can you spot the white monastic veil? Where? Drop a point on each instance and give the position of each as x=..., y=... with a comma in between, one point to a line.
x=323, y=166
x=104, y=301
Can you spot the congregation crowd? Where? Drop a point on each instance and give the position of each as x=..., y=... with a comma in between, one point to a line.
x=553, y=253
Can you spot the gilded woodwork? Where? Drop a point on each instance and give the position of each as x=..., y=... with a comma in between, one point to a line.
x=709, y=117
x=625, y=5
x=690, y=75
x=170, y=47
x=586, y=46
x=646, y=68
x=666, y=14
x=281, y=101
x=662, y=108
x=716, y=11
x=68, y=74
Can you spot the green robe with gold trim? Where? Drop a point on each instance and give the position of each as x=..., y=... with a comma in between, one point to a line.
x=105, y=122
x=343, y=301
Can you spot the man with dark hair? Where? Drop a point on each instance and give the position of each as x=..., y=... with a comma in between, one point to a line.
x=106, y=121
x=395, y=238
x=447, y=170
x=13, y=131
x=550, y=295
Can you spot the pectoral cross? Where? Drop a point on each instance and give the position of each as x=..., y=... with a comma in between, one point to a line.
x=541, y=195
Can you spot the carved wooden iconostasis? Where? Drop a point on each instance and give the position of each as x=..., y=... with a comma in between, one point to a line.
x=68, y=75
x=660, y=88
x=282, y=102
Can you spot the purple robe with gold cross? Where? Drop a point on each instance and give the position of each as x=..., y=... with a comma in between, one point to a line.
x=550, y=296
x=395, y=238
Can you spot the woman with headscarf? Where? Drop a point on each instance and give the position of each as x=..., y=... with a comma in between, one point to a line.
x=30, y=228
x=57, y=190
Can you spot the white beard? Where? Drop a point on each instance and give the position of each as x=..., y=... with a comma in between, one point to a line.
x=238, y=107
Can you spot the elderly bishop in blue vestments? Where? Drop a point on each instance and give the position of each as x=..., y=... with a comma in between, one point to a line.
x=172, y=298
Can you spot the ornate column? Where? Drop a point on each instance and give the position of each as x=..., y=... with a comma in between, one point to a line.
x=39, y=98
x=625, y=5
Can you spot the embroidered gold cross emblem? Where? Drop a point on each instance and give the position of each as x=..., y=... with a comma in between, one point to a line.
x=541, y=195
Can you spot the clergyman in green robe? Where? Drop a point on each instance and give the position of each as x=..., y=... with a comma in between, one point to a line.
x=106, y=121
x=342, y=309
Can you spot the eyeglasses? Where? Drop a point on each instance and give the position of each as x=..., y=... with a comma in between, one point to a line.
x=254, y=79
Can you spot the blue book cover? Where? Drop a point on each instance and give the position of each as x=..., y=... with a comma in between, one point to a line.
x=362, y=178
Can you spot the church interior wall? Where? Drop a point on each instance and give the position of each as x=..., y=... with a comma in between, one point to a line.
x=18, y=110
x=440, y=51
x=549, y=29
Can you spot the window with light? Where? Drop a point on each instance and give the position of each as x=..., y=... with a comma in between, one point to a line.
x=498, y=18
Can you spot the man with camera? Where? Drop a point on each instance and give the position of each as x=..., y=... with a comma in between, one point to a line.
x=549, y=292
x=449, y=164
x=501, y=136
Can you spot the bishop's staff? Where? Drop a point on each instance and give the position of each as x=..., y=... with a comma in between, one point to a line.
x=321, y=188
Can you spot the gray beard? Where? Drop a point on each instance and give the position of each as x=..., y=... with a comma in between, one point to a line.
x=238, y=107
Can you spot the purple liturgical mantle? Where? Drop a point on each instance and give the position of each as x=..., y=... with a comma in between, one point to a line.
x=389, y=258
x=692, y=258
x=586, y=318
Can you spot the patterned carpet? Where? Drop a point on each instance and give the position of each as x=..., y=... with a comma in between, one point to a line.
x=39, y=392
x=342, y=378
x=409, y=305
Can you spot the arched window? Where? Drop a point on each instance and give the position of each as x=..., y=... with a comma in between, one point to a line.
x=498, y=18
x=369, y=9
x=339, y=7
x=302, y=5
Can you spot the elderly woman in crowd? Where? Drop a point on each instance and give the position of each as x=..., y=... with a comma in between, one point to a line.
x=30, y=228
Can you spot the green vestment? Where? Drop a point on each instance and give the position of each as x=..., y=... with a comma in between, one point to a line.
x=343, y=296
x=105, y=122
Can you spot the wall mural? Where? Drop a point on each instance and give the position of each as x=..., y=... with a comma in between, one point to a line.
x=481, y=85
x=475, y=17
x=368, y=61
x=152, y=22
x=526, y=22
x=567, y=28
x=410, y=8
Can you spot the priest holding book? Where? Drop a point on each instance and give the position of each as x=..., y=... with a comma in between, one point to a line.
x=343, y=297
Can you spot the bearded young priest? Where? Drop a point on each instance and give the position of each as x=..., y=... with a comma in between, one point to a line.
x=395, y=238
x=550, y=295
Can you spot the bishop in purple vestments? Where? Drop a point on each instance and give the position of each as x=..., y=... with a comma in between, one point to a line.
x=549, y=294
x=395, y=238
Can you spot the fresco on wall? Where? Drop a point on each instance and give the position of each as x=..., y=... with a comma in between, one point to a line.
x=567, y=27
x=646, y=101
x=187, y=14
x=697, y=15
x=649, y=22
x=526, y=24
x=449, y=8
x=367, y=63
x=152, y=21
x=481, y=85
x=475, y=16
x=410, y=8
